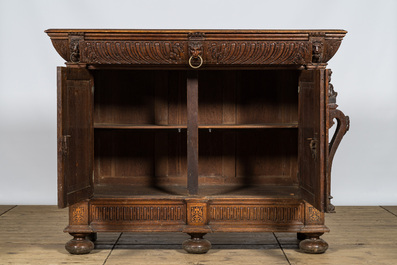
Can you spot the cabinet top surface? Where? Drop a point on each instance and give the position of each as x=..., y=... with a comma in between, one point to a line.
x=216, y=48
x=185, y=31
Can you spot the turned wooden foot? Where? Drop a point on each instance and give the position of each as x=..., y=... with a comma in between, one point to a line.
x=79, y=244
x=313, y=244
x=196, y=244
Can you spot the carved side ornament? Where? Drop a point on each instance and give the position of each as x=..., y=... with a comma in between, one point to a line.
x=196, y=49
x=343, y=125
x=74, y=46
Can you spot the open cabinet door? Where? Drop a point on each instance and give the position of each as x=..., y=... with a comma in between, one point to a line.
x=75, y=135
x=312, y=137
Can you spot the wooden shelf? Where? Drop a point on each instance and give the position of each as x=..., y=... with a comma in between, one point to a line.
x=203, y=126
x=249, y=126
x=209, y=191
x=136, y=126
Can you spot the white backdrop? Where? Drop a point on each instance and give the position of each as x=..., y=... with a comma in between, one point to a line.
x=365, y=70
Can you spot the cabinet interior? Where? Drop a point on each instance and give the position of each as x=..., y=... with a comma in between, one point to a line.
x=248, y=132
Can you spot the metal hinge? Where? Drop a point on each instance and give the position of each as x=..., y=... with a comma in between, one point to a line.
x=313, y=147
x=65, y=144
x=299, y=89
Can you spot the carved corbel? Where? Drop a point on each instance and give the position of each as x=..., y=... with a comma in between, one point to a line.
x=317, y=40
x=74, y=46
x=343, y=124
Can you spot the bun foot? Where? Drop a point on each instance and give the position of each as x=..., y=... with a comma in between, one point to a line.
x=313, y=244
x=79, y=244
x=197, y=244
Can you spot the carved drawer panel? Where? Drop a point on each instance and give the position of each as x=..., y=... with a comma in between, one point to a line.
x=142, y=213
x=256, y=214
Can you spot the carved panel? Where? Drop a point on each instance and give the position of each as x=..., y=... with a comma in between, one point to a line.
x=197, y=214
x=257, y=52
x=138, y=213
x=256, y=214
x=78, y=214
x=133, y=52
x=313, y=216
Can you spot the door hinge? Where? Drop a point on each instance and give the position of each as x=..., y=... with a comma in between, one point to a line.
x=299, y=89
x=65, y=144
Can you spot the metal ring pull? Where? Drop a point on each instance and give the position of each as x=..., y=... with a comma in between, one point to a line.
x=198, y=66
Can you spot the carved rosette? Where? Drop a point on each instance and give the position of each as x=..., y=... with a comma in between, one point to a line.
x=133, y=52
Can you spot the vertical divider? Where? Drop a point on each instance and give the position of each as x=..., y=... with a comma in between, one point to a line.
x=192, y=132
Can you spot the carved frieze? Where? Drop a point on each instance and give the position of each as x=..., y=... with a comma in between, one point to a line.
x=215, y=47
x=133, y=52
x=138, y=213
x=257, y=52
x=255, y=214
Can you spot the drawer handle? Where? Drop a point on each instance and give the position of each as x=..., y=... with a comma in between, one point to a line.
x=198, y=66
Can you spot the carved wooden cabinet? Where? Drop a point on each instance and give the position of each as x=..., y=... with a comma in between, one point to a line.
x=196, y=131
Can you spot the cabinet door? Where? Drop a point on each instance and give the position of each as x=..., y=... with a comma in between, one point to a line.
x=75, y=135
x=311, y=141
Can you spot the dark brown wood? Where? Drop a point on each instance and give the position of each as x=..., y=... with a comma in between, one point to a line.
x=311, y=137
x=196, y=131
x=192, y=132
x=75, y=134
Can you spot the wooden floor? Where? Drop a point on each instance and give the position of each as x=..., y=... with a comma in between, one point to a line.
x=359, y=235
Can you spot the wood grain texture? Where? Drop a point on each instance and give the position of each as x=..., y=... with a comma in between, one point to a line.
x=219, y=47
x=240, y=144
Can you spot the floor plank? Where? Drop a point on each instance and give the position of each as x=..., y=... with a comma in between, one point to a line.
x=5, y=208
x=346, y=254
x=391, y=209
x=359, y=235
x=213, y=257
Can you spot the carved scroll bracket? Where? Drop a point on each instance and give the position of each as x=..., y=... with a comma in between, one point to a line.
x=343, y=125
x=74, y=46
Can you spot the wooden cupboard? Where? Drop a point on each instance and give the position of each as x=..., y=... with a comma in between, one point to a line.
x=196, y=131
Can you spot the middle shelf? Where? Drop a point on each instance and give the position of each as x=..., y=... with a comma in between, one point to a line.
x=200, y=126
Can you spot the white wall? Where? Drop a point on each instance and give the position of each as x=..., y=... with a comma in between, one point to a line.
x=365, y=165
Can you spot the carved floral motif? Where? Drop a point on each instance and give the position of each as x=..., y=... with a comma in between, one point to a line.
x=257, y=52
x=78, y=215
x=197, y=214
x=138, y=213
x=314, y=215
x=254, y=213
x=133, y=52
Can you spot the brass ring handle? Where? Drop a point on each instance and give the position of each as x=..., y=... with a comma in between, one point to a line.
x=198, y=66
